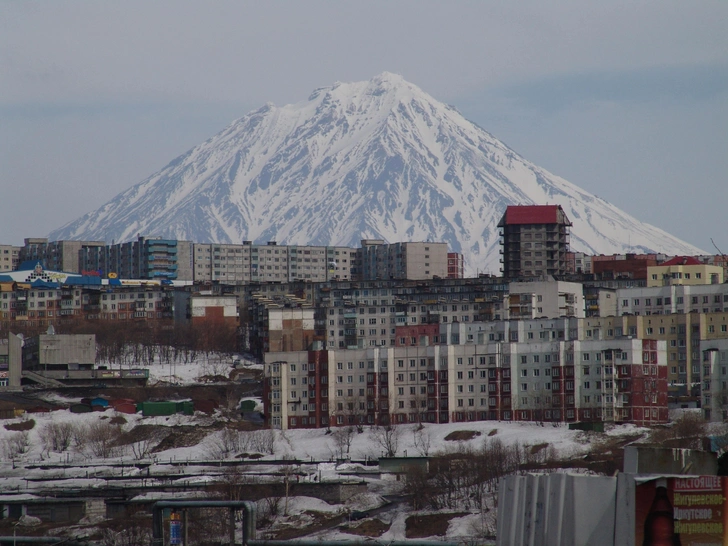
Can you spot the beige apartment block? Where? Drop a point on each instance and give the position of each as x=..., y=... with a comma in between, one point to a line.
x=9, y=257
x=549, y=298
x=684, y=270
x=683, y=334
x=248, y=263
x=410, y=260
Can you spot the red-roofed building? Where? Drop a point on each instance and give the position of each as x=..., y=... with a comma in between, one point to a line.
x=535, y=241
x=632, y=266
x=684, y=270
x=682, y=260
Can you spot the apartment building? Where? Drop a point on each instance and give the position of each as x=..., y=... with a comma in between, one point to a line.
x=171, y=259
x=412, y=260
x=249, y=263
x=625, y=266
x=599, y=301
x=535, y=241
x=152, y=258
x=548, y=298
x=204, y=309
x=9, y=257
x=684, y=270
x=366, y=314
x=682, y=334
x=509, y=370
x=25, y=304
x=57, y=255
x=673, y=298
x=455, y=265
x=351, y=315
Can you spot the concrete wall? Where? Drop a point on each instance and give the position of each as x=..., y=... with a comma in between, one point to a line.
x=658, y=460
x=556, y=509
x=184, y=261
x=67, y=349
x=12, y=348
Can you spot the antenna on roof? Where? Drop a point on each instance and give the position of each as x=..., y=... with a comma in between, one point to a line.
x=716, y=247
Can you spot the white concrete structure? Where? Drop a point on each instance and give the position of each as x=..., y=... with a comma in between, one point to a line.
x=714, y=379
x=547, y=298
x=663, y=300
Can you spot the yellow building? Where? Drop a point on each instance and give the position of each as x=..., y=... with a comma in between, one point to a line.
x=683, y=333
x=684, y=270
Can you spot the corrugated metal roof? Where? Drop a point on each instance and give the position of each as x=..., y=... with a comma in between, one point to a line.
x=683, y=260
x=532, y=214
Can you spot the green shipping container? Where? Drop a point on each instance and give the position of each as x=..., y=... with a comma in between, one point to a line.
x=151, y=409
x=186, y=408
x=247, y=405
x=594, y=426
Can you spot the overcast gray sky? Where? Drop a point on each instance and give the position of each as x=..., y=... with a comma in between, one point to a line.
x=626, y=99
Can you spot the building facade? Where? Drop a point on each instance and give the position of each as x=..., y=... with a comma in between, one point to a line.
x=57, y=255
x=455, y=265
x=11, y=362
x=684, y=270
x=412, y=261
x=152, y=258
x=367, y=313
x=9, y=257
x=509, y=370
x=59, y=352
x=204, y=308
x=535, y=241
x=550, y=298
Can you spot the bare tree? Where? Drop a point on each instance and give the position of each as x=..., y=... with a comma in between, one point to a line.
x=387, y=437
x=131, y=532
x=16, y=444
x=268, y=510
x=263, y=441
x=342, y=438
x=224, y=444
x=102, y=439
x=56, y=436
x=422, y=440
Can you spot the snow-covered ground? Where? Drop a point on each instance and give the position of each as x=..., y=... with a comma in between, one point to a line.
x=29, y=466
x=198, y=369
x=302, y=444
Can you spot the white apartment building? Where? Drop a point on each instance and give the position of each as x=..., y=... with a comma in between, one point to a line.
x=518, y=370
x=248, y=263
x=676, y=298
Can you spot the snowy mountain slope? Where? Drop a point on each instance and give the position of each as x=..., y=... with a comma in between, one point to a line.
x=375, y=159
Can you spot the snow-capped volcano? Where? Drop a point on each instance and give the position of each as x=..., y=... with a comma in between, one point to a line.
x=375, y=159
